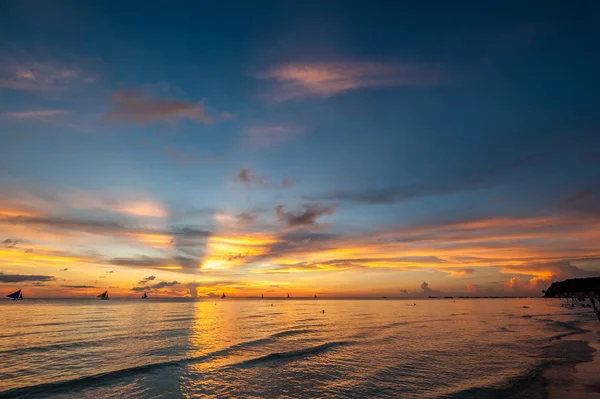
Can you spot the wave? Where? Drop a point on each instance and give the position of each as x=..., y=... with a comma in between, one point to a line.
x=294, y=354
x=532, y=383
x=97, y=379
x=253, y=316
x=53, y=347
x=91, y=343
x=289, y=333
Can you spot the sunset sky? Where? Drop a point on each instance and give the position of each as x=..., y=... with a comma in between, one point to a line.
x=334, y=148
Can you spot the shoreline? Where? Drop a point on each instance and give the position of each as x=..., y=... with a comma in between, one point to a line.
x=573, y=372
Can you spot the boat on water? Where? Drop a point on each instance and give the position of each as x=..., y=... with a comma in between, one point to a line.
x=15, y=295
x=144, y=296
x=223, y=296
x=288, y=296
x=262, y=296
x=103, y=296
x=315, y=296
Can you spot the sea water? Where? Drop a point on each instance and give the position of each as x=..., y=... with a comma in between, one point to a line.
x=426, y=348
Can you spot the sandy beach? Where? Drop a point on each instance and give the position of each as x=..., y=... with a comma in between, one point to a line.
x=576, y=371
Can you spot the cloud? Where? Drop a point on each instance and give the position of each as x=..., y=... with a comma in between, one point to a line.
x=302, y=267
x=37, y=201
x=245, y=218
x=544, y=273
x=562, y=269
x=474, y=178
x=425, y=288
x=146, y=279
x=473, y=288
x=79, y=286
x=576, y=197
x=23, y=72
x=457, y=271
x=175, y=263
x=426, y=291
x=142, y=208
x=157, y=286
x=249, y=177
x=39, y=115
x=306, y=215
x=271, y=135
x=326, y=79
x=10, y=243
x=84, y=225
x=19, y=278
x=139, y=107
x=107, y=227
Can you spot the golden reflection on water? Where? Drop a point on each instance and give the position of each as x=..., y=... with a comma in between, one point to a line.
x=462, y=343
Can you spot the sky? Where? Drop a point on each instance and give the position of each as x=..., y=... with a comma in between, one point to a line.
x=343, y=149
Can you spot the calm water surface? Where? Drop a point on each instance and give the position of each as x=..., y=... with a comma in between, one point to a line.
x=248, y=348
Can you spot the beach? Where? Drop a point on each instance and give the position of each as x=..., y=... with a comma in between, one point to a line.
x=422, y=348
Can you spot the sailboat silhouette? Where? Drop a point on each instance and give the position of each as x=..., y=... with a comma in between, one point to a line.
x=288, y=296
x=223, y=296
x=15, y=295
x=144, y=296
x=103, y=296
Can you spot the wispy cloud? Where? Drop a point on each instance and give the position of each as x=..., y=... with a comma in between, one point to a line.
x=476, y=178
x=39, y=115
x=139, y=107
x=20, y=278
x=576, y=197
x=250, y=177
x=325, y=79
x=79, y=287
x=157, y=286
x=454, y=271
x=176, y=263
x=24, y=72
x=306, y=215
x=271, y=135
x=146, y=279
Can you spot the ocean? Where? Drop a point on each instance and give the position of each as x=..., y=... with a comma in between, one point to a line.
x=427, y=348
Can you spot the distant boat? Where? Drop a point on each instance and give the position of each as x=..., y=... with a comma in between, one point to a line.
x=144, y=296
x=262, y=296
x=288, y=296
x=15, y=295
x=103, y=296
x=223, y=296
x=315, y=296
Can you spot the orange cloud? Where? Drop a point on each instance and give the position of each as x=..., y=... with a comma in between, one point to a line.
x=142, y=208
x=325, y=79
x=154, y=240
x=139, y=107
x=40, y=115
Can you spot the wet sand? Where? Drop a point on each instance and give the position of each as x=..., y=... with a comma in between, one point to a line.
x=577, y=373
